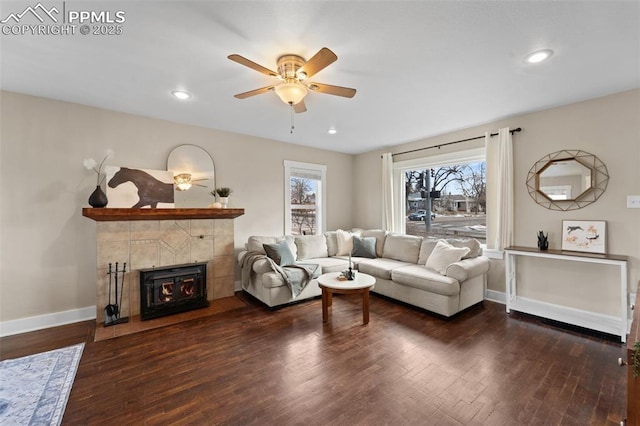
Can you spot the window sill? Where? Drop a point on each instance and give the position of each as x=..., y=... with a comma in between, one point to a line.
x=492, y=253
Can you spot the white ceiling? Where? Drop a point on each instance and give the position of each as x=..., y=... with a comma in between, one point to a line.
x=421, y=68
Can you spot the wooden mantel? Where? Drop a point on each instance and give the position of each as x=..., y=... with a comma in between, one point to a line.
x=110, y=215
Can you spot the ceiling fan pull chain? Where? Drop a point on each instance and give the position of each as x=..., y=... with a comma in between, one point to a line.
x=292, y=118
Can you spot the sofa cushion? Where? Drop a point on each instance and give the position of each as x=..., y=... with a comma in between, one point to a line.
x=332, y=242
x=380, y=267
x=280, y=253
x=379, y=235
x=311, y=246
x=443, y=255
x=404, y=248
x=329, y=264
x=418, y=276
x=475, y=249
x=428, y=244
x=364, y=247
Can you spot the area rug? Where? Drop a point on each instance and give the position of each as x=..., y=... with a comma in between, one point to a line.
x=34, y=389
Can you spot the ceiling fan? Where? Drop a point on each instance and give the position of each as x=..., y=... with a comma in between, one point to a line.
x=293, y=71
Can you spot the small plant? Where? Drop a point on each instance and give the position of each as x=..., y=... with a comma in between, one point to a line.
x=222, y=192
x=636, y=359
x=543, y=240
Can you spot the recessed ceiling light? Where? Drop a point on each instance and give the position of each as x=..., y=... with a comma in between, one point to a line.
x=538, y=56
x=332, y=131
x=181, y=94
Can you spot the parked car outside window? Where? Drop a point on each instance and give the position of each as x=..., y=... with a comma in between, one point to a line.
x=420, y=214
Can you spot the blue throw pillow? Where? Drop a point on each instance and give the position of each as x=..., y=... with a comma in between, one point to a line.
x=364, y=247
x=280, y=253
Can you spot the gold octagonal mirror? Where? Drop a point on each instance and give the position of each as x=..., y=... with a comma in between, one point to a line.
x=567, y=180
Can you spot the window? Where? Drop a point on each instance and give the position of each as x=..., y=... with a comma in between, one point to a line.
x=443, y=196
x=304, y=185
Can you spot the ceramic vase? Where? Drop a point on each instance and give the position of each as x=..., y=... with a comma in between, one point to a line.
x=224, y=201
x=98, y=198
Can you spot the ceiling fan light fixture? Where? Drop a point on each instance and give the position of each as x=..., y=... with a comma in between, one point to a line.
x=291, y=93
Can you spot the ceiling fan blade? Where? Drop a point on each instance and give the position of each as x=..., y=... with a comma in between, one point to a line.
x=319, y=61
x=300, y=107
x=332, y=90
x=253, y=92
x=248, y=63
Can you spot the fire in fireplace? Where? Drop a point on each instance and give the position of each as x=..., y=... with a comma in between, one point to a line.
x=172, y=289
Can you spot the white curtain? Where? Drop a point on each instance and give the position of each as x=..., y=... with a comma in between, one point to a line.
x=387, y=192
x=500, y=195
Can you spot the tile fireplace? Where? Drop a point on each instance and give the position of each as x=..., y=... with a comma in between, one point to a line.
x=160, y=239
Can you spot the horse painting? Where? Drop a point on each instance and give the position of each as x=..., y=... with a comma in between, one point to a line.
x=151, y=191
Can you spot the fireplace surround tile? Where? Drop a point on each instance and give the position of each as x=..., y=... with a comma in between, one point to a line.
x=201, y=249
x=175, y=236
x=145, y=254
x=112, y=231
x=145, y=230
x=201, y=227
x=112, y=251
x=220, y=287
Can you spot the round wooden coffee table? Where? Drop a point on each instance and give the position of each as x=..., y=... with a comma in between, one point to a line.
x=330, y=284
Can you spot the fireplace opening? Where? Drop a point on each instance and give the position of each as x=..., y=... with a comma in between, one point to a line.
x=172, y=289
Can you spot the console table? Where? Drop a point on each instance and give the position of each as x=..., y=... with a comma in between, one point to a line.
x=616, y=325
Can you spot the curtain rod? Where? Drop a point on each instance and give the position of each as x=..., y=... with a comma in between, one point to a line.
x=512, y=131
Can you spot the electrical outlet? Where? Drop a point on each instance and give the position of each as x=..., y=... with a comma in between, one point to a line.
x=633, y=201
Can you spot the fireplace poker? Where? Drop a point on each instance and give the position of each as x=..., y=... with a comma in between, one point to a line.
x=116, y=307
x=124, y=269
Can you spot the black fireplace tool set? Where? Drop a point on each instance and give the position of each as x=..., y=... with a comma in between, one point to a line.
x=112, y=310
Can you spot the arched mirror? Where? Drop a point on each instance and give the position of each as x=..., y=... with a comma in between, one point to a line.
x=567, y=180
x=194, y=176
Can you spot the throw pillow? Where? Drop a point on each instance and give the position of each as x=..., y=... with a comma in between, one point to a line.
x=332, y=242
x=311, y=246
x=255, y=242
x=443, y=255
x=345, y=242
x=280, y=253
x=364, y=247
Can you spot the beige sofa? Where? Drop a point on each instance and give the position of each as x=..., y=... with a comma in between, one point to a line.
x=407, y=268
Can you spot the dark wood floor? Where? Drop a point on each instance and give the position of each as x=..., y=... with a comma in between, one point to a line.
x=256, y=366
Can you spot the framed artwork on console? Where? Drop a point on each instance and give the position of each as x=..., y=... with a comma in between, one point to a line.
x=587, y=236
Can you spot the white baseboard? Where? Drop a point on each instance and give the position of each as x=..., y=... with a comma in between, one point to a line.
x=495, y=296
x=24, y=325
x=586, y=319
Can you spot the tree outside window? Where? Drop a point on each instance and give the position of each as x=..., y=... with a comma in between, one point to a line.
x=303, y=206
x=447, y=201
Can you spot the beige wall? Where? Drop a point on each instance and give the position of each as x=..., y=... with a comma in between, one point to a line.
x=48, y=250
x=608, y=127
